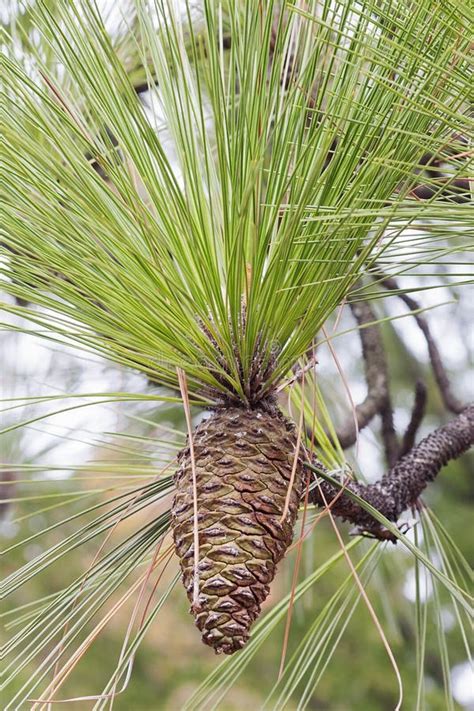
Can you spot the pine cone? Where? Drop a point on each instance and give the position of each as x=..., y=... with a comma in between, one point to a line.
x=244, y=460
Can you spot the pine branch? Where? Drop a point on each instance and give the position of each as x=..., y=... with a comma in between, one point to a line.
x=377, y=400
x=418, y=412
x=389, y=435
x=451, y=402
x=402, y=484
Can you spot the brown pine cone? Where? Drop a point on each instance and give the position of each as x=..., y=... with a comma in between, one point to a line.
x=244, y=459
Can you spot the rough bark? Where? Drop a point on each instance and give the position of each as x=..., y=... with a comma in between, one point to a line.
x=402, y=484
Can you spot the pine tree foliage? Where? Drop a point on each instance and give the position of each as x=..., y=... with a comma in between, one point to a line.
x=206, y=239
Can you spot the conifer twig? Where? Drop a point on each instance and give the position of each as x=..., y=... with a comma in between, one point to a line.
x=450, y=401
x=377, y=400
x=402, y=484
x=418, y=412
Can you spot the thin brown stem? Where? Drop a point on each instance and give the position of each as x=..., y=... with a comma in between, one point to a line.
x=417, y=414
x=451, y=402
x=377, y=400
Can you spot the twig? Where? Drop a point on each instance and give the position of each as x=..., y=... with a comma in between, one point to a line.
x=389, y=436
x=378, y=399
x=451, y=402
x=402, y=484
x=418, y=412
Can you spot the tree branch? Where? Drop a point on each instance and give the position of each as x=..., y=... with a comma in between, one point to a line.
x=389, y=435
x=418, y=412
x=451, y=402
x=377, y=400
x=400, y=486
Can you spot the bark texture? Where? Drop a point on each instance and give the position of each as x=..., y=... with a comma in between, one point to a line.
x=401, y=485
x=243, y=461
